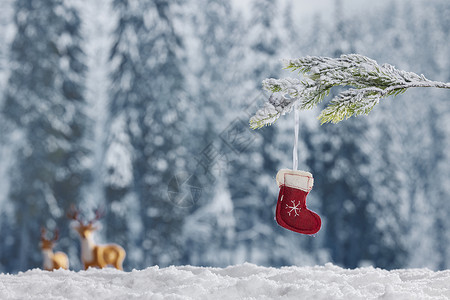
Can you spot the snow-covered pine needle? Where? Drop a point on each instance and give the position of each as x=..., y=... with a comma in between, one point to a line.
x=368, y=80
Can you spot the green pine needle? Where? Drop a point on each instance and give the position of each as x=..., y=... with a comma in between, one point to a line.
x=366, y=80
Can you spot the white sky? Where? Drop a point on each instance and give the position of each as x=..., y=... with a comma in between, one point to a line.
x=304, y=8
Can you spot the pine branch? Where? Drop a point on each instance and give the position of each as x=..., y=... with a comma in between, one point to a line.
x=369, y=83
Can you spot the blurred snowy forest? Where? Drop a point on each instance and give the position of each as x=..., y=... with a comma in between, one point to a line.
x=142, y=107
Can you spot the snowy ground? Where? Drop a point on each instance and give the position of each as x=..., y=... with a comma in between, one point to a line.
x=245, y=281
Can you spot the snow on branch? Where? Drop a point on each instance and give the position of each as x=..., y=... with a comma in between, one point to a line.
x=368, y=80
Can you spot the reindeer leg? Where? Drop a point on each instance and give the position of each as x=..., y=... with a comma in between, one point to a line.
x=99, y=255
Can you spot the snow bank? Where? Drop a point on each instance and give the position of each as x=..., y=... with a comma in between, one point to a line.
x=245, y=281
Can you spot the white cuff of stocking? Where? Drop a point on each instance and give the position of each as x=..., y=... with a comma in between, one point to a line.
x=296, y=179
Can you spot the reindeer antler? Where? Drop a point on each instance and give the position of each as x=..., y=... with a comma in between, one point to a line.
x=56, y=235
x=99, y=213
x=74, y=214
x=43, y=232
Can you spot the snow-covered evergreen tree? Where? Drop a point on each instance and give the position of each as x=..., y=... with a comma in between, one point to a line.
x=219, y=44
x=337, y=163
x=5, y=35
x=264, y=33
x=254, y=191
x=146, y=139
x=6, y=28
x=97, y=28
x=45, y=106
x=340, y=165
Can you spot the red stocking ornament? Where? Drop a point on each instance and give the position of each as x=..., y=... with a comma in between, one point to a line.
x=291, y=212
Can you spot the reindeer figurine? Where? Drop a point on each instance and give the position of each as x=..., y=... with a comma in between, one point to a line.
x=93, y=255
x=52, y=260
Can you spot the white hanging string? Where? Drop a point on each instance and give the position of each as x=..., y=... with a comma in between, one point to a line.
x=295, y=151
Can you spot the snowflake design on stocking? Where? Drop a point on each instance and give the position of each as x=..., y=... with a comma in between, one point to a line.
x=294, y=208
